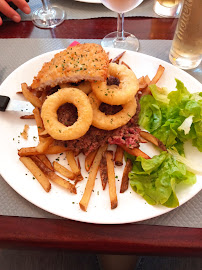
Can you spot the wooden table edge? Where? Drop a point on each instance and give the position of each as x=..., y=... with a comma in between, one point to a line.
x=142, y=27
x=23, y=232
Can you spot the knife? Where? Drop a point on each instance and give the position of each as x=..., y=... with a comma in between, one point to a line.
x=7, y=104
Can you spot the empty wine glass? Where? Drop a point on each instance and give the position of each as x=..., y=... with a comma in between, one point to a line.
x=48, y=16
x=120, y=38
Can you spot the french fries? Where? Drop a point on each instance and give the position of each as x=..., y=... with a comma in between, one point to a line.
x=158, y=75
x=155, y=79
x=89, y=160
x=37, y=172
x=44, y=134
x=111, y=179
x=63, y=171
x=142, y=83
x=125, y=179
x=44, y=144
x=73, y=165
x=103, y=172
x=53, y=176
x=27, y=151
x=35, y=101
x=91, y=179
x=118, y=157
x=62, y=182
x=46, y=161
x=32, y=151
x=124, y=63
x=28, y=116
x=55, y=149
x=135, y=152
x=150, y=138
x=147, y=79
x=39, y=121
x=78, y=162
x=118, y=57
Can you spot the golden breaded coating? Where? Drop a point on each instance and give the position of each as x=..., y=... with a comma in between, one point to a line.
x=82, y=62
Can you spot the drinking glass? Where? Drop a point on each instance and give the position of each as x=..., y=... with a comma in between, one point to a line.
x=120, y=38
x=48, y=16
x=167, y=8
x=186, y=50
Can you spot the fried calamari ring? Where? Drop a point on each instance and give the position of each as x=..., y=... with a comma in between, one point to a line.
x=110, y=122
x=84, y=86
x=113, y=94
x=50, y=119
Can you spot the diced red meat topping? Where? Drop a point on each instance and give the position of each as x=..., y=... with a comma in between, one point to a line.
x=128, y=135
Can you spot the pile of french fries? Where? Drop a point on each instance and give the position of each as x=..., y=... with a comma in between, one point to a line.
x=102, y=160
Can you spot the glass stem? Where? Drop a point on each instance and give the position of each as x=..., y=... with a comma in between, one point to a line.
x=45, y=4
x=120, y=26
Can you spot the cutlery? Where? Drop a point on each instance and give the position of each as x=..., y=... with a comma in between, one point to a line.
x=7, y=104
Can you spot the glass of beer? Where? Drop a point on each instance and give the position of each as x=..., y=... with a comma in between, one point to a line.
x=167, y=8
x=120, y=38
x=186, y=50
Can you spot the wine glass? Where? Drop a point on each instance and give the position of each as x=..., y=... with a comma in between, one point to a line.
x=120, y=38
x=48, y=16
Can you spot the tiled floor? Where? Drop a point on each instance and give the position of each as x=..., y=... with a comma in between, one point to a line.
x=63, y=260
x=170, y=263
x=46, y=260
x=117, y=262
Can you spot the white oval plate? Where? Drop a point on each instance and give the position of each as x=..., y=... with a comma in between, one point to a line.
x=131, y=207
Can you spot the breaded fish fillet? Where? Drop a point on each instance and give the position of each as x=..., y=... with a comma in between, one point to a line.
x=82, y=62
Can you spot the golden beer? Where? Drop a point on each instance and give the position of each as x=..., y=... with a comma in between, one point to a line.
x=169, y=3
x=186, y=51
x=167, y=8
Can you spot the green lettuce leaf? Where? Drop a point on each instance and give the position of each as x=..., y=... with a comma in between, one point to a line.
x=155, y=179
x=150, y=116
x=173, y=118
x=160, y=94
x=197, y=141
x=178, y=97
